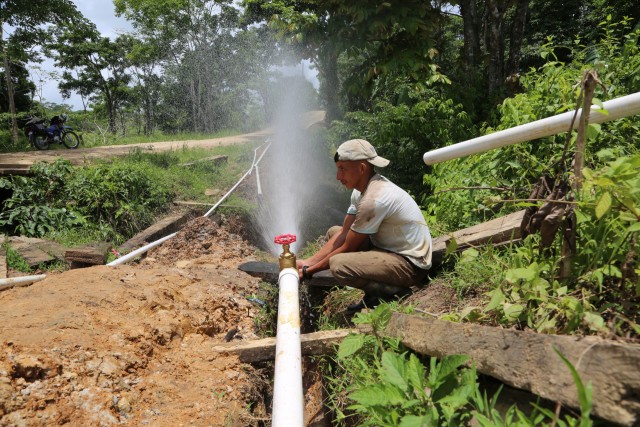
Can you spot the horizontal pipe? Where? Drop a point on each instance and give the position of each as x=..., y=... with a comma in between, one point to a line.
x=140, y=251
x=10, y=282
x=288, y=397
x=615, y=109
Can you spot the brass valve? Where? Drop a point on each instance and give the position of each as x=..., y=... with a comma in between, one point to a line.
x=287, y=259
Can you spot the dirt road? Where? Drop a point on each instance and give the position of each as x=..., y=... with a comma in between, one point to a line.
x=19, y=163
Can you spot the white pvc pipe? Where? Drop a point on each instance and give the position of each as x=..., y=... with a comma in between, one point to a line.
x=288, y=397
x=10, y=282
x=616, y=108
x=141, y=250
x=258, y=181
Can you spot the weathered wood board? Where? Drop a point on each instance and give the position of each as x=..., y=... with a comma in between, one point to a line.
x=528, y=361
x=158, y=230
x=93, y=254
x=315, y=343
x=496, y=231
x=3, y=265
x=36, y=251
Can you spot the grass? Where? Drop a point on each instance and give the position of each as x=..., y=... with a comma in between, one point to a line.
x=94, y=139
x=14, y=260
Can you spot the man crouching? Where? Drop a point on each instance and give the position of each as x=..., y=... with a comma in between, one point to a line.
x=384, y=244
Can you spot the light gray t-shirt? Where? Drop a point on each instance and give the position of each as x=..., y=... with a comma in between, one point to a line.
x=392, y=219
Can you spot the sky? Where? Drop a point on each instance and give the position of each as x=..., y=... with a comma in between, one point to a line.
x=102, y=13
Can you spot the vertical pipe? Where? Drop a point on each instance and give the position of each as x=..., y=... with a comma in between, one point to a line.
x=288, y=397
x=258, y=181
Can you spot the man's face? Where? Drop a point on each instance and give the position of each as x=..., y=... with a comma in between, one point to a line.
x=349, y=173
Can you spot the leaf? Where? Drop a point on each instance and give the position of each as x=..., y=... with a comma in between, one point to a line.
x=634, y=227
x=593, y=130
x=445, y=367
x=512, y=311
x=393, y=370
x=514, y=274
x=593, y=320
x=469, y=255
x=452, y=246
x=376, y=395
x=350, y=344
x=584, y=393
x=497, y=298
x=603, y=205
x=415, y=373
x=417, y=421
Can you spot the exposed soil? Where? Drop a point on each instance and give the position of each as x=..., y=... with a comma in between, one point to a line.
x=132, y=344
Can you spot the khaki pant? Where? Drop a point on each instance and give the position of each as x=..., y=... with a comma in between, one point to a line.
x=370, y=270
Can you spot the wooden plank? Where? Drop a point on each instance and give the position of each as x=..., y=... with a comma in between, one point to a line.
x=93, y=254
x=496, y=231
x=28, y=249
x=214, y=159
x=3, y=265
x=527, y=360
x=315, y=343
x=158, y=230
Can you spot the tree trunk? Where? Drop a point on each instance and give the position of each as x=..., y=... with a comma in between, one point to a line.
x=330, y=87
x=517, y=33
x=194, y=108
x=495, y=45
x=7, y=75
x=471, y=56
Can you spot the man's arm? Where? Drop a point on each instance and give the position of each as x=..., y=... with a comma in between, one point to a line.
x=345, y=241
x=334, y=242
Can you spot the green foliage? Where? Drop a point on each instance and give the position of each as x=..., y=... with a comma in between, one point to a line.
x=521, y=283
x=389, y=387
x=376, y=382
x=58, y=197
x=477, y=188
x=14, y=260
x=36, y=206
x=609, y=224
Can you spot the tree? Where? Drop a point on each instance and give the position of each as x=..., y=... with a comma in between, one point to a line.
x=100, y=65
x=27, y=19
x=207, y=60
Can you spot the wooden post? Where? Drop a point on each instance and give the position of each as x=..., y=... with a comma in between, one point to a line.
x=589, y=81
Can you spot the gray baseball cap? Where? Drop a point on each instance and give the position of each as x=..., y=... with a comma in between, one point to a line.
x=360, y=149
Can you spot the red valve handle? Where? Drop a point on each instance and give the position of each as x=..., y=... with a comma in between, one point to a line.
x=285, y=239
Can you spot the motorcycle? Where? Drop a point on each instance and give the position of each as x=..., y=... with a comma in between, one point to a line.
x=57, y=133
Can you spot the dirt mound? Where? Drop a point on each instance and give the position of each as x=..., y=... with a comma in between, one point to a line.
x=132, y=344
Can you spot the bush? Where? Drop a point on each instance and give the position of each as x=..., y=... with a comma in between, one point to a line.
x=115, y=199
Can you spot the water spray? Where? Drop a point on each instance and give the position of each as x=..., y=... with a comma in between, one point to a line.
x=288, y=397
